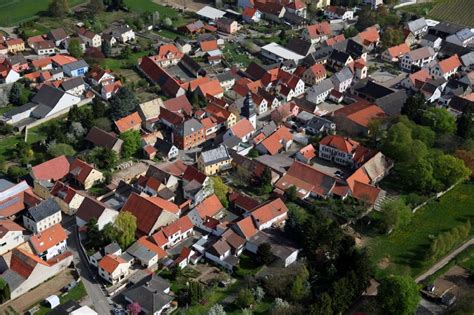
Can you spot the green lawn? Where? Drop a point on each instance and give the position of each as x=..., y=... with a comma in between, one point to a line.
x=76, y=294
x=234, y=53
x=457, y=11
x=13, y=12
x=247, y=265
x=150, y=6
x=402, y=251
x=118, y=63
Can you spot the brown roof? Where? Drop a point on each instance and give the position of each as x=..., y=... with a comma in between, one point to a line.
x=208, y=45
x=193, y=173
x=179, y=104
x=80, y=170
x=361, y=113
x=212, y=88
x=7, y=225
x=102, y=138
x=316, y=30
x=365, y=192
x=397, y=51
x=181, y=225
x=63, y=192
x=242, y=201
x=90, y=208
x=274, y=143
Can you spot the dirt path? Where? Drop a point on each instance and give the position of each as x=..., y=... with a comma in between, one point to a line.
x=41, y=292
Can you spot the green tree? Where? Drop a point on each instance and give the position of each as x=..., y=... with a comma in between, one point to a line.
x=264, y=253
x=131, y=142
x=58, y=8
x=94, y=236
x=298, y=290
x=16, y=172
x=439, y=120
x=126, y=52
x=265, y=186
x=221, y=190
x=253, y=153
x=75, y=48
x=392, y=37
x=395, y=213
x=126, y=225
x=14, y=96
x=413, y=106
x=96, y=6
x=167, y=22
x=57, y=149
x=350, y=32
x=291, y=193
x=245, y=298
x=398, y=295
x=4, y=291
x=416, y=174
x=465, y=123
x=216, y=309
x=106, y=48
x=323, y=306
x=397, y=143
x=123, y=103
x=195, y=292
x=449, y=169
x=103, y=158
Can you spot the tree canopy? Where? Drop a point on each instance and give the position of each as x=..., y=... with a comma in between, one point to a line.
x=398, y=295
x=58, y=8
x=75, y=48
x=221, y=190
x=131, y=142
x=123, y=103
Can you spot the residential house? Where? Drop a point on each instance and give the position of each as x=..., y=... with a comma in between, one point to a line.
x=51, y=170
x=75, y=86
x=168, y=55
x=196, y=185
x=432, y=89
x=272, y=11
x=152, y=294
x=130, y=122
x=284, y=251
x=110, y=249
x=319, y=126
x=17, y=63
x=113, y=269
x=417, y=58
x=58, y=35
x=243, y=130
x=91, y=208
x=445, y=68
x=213, y=161
x=11, y=235
x=76, y=68
x=342, y=80
x=166, y=150
x=102, y=138
x=9, y=76
x=374, y=4
x=99, y=76
x=44, y=63
x=151, y=212
x=209, y=207
x=279, y=140
x=44, y=48
x=15, y=45
x=183, y=46
x=146, y=252
x=393, y=53
x=84, y=175
x=314, y=74
x=16, y=198
x=189, y=134
x=42, y=216
x=360, y=69
x=25, y=271
x=109, y=90
x=464, y=37
x=355, y=119
x=339, y=59
x=369, y=38
x=306, y=154
x=212, y=88
x=50, y=243
x=418, y=27
x=307, y=180
x=150, y=113
x=317, y=32
x=318, y=93
x=251, y=15
x=173, y=233
x=431, y=41
x=297, y=7
x=227, y=25
x=123, y=33
x=342, y=150
x=68, y=199
x=90, y=38
x=338, y=13
x=269, y=214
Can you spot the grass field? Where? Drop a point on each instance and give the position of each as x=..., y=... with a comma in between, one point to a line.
x=150, y=6
x=402, y=252
x=457, y=11
x=13, y=12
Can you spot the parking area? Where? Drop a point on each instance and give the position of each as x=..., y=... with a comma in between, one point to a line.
x=331, y=168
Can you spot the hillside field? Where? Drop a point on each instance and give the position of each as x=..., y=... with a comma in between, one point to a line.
x=13, y=12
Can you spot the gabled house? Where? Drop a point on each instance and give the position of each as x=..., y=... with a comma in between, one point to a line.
x=76, y=68
x=338, y=13
x=168, y=55
x=306, y=154
x=50, y=242
x=147, y=253
x=342, y=80
x=213, y=161
x=51, y=170
x=269, y=214
x=173, y=233
x=58, y=35
x=251, y=15
x=123, y=33
x=102, y=138
x=15, y=45
x=11, y=235
x=354, y=119
x=318, y=93
x=151, y=212
x=339, y=59
x=417, y=58
x=17, y=63
x=343, y=151
x=84, y=175
x=227, y=25
x=44, y=48
x=319, y=126
x=314, y=74
x=42, y=216
x=445, y=68
x=418, y=27
x=68, y=199
x=109, y=90
x=392, y=54
x=113, y=269
x=152, y=294
x=130, y=122
x=91, y=208
x=75, y=86
x=196, y=185
x=90, y=38
x=243, y=130
x=99, y=76
x=464, y=37
x=280, y=140
x=189, y=134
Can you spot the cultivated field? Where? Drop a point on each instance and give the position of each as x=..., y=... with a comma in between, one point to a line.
x=457, y=11
x=13, y=12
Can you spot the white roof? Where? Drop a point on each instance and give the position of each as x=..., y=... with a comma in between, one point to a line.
x=214, y=53
x=282, y=52
x=431, y=23
x=85, y=310
x=210, y=13
x=53, y=301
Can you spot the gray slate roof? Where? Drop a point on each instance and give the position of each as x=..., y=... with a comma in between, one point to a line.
x=72, y=83
x=190, y=126
x=48, y=95
x=75, y=65
x=149, y=293
x=324, y=86
x=141, y=252
x=43, y=210
x=215, y=155
x=343, y=75
x=416, y=25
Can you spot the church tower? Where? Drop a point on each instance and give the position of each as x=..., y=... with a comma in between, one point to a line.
x=248, y=110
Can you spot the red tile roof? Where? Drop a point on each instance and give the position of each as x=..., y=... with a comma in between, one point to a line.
x=111, y=262
x=168, y=51
x=7, y=225
x=397, y=51
x=269, y=211
x=80, y=170
x=128, y=122
x=242, y=128
x=208, y=45
x=365, y=192
x=193, y=173
x=181, y=225
x=319, y=29
x=179, y=104
x=53, y=169
x=249, y=12
x=318, y=70
x=361, y=113
x=144, y=241
x=209, y=207
x=42, y=62
x=418, y=78
x=449, y=64
x=247, y=227
x=212, y=88
x=275, y=142
x=62, y=60
x=63, y=192
x=48, y=238
x=147, y=210
x=308, y=152
x=336, y=39
x=369, y=35
x=341, y=143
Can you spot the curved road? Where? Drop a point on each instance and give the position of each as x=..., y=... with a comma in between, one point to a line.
x=440, y=264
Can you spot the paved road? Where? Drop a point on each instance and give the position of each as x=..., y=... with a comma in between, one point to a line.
x=440, y=264
x=99, y=300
